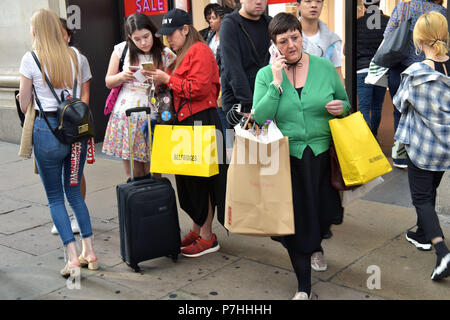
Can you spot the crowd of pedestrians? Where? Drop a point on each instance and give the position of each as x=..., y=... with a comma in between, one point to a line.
x=226, y=72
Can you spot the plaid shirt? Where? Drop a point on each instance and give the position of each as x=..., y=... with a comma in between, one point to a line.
x=423, y=99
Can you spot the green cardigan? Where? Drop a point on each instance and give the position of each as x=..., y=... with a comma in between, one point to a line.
x=304, y=121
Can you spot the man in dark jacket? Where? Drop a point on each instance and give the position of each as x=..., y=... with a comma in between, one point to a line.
x=370, y=28
x=244, y=45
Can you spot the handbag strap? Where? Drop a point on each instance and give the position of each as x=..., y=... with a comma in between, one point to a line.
x=122, y=58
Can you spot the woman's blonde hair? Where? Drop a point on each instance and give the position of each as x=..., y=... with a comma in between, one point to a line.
x=192, y=37
x=432, y=29
x=53, y=52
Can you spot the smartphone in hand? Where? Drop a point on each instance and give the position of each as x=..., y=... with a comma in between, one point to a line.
x=273, y=49
x=148, y=66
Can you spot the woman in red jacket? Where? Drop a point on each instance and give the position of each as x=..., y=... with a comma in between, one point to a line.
x=194, y=80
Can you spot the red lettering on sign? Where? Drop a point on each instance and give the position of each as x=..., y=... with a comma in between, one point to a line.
x=148, y=7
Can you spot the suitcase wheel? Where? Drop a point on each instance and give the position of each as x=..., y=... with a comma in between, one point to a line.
x=135, y=268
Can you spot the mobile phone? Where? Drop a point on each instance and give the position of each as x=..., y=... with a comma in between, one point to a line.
x=273, y=49
x=148, y=66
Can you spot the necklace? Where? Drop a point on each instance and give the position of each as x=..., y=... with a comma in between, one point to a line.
x=290, y=65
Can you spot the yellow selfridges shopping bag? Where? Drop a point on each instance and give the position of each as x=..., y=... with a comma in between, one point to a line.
x=359, y=154
x=185, y=150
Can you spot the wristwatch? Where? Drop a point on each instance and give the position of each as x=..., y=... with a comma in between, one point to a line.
x=278, y=86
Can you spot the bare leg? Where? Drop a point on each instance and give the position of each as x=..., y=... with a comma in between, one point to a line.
x=436, y=240
x=73, y=255
x=206, y=229
x=88, y=250
x=126, y=165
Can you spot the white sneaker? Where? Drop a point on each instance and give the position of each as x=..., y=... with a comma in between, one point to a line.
x=318, y=262
x=54, y=231
x=304, y=296
x=74, y=225
x=301, y=296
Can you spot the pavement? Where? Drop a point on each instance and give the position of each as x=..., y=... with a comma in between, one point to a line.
x=368, y=256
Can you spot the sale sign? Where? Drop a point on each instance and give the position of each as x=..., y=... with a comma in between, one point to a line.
x=149, y=7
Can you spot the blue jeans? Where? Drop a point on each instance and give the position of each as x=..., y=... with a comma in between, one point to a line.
x=370, y=102
x=53, y=163
x=394, y=80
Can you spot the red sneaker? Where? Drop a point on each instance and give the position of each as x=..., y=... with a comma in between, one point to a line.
x=201, y=247
x=189, y=239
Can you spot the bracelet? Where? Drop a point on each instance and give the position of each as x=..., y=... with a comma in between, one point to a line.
x=278, y=86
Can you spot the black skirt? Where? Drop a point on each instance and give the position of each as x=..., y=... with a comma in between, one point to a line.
x=194, y=192
x=317, y=204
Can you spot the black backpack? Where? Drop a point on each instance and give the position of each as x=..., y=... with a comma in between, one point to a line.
x=75, y=120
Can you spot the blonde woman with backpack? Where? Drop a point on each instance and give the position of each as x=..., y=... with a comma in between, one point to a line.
x=53, y=158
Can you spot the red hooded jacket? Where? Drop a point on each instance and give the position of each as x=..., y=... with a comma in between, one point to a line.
x=197, y=80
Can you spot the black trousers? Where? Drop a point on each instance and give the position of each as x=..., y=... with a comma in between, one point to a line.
x=423, y=185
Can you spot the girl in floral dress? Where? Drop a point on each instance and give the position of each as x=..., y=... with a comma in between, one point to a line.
x=142, y=46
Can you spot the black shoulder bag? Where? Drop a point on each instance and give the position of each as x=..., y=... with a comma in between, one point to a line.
x=74, y=117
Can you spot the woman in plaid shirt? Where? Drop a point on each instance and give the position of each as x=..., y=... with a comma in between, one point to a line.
x=416, y=9
x=423, y=99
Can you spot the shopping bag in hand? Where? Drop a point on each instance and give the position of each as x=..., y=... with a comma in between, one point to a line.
x=259, y=189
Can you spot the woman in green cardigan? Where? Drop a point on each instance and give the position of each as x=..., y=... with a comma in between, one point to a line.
x=302, y=93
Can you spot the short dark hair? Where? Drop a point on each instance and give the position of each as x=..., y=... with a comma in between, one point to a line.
x=210, y=8
x=220, y=11
x=283, y=22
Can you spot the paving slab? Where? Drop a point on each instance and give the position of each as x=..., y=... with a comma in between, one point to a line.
x=10, y=257
x=28, y=191
x=17, y=174
x=24, y=219
x=94, y=288
x=261, y=249
x=443, y=198
x=331, y=291
x=404, y=273
x=367, y=226
x=102, y=203
x=107, y=248
x=245, y=279
x=33, y=277
x=394, y=190
x=8, y=205
x=159, y=277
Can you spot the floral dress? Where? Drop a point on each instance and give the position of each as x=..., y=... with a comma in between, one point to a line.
x=133, y=94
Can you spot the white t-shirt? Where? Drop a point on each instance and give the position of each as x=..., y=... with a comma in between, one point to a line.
x=214, y=45
x=311, y=46
x=167, y=58
x=30, y=70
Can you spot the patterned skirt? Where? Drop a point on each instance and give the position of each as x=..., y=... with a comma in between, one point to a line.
x=116, y=141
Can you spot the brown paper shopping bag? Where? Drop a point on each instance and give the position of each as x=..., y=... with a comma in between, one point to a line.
x=259, y=189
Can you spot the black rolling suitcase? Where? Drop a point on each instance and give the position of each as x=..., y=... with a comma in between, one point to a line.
x=148, y=216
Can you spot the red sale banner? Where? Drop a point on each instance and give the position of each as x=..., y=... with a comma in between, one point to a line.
x=149, y=7
x=279, y=1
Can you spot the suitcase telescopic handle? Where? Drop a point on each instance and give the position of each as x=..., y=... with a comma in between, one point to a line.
x=128, y=112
